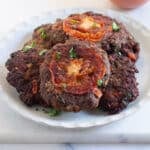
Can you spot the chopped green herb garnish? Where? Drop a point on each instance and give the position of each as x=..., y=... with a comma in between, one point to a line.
x=42, y=52
x=72, y=53
x=33, y=44
x=99, y=82
x=73, y=21
x=58, y=55
x=43, y=34
x=115, y=27
x=28, y=47
x=53, y=112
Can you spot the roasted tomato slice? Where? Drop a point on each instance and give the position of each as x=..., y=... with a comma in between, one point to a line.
x=77, y=69
x=83, y=26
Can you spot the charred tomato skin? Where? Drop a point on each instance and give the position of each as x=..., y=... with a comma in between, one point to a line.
x=86, y=26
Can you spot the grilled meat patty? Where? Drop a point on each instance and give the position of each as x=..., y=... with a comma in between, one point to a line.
x=23, y=74
x=106, y=32
x=123, y=51
x=122, y=86
x=45, y=36
x=23, y=65
x=70, y=75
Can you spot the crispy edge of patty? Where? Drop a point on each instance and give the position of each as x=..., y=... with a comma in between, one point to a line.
x=23, y=74
x=122, y=86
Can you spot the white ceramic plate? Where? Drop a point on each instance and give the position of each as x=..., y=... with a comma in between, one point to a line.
x=15, y=39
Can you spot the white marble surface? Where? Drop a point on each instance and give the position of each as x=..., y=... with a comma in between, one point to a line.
x=73, y=147
x=15, y=129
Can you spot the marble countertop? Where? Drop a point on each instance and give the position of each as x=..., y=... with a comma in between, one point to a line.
x=73, y=147
x=15, y=129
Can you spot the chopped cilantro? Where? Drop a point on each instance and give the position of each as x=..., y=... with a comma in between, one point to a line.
x=99, y=83
x=42, y=52
x=43, y=34
x=33, y=44
x=58, y=55
x=28, y=47
x=115, y=27
x=53, y=112
x=72, y=53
